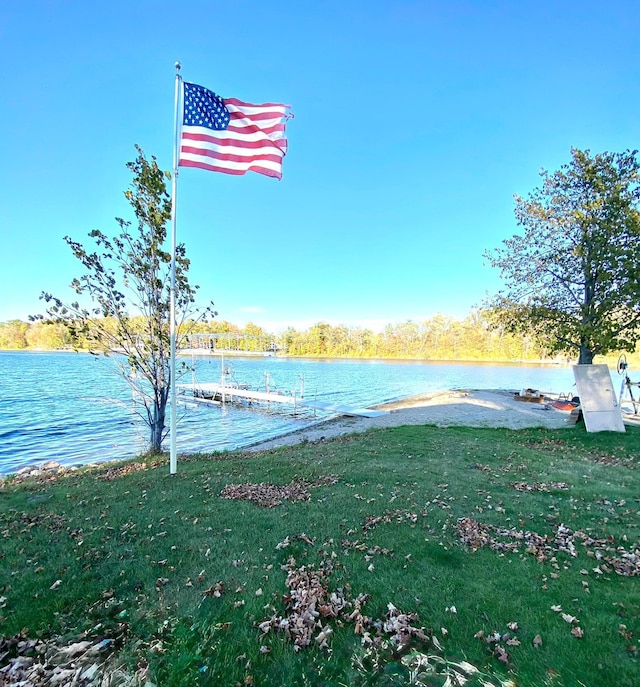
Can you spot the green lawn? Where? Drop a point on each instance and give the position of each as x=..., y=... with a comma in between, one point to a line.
x=346, y=562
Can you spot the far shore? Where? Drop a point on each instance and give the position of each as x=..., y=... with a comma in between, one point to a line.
x=251, y=354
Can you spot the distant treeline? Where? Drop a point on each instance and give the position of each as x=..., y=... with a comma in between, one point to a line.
x=438, y=338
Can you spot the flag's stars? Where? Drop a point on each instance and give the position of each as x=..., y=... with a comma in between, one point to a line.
x=203, y=107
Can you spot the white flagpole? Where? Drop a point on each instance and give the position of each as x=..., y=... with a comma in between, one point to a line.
x=173, y=459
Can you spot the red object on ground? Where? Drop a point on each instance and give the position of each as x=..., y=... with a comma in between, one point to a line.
x=563, y=405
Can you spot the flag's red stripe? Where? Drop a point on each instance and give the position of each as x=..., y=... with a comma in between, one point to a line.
x=252, y=128
x=224, y=138
x=242, y=103
x=262, y=117
x=205, y=141
x=231, y=157
x=214, y=168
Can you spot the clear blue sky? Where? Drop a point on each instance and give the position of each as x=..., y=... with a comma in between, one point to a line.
x=415, y=123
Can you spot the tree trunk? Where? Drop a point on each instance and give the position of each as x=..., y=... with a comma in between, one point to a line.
x=586, y=355
x=157, y=427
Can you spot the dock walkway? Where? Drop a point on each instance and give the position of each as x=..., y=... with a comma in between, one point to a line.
x=213, y=392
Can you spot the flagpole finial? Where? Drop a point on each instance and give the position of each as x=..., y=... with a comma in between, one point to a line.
x=178, y=66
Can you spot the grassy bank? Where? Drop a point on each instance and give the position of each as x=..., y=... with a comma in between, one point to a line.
x=339, y=563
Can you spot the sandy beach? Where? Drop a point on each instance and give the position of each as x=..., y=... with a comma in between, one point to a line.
x=469, y=408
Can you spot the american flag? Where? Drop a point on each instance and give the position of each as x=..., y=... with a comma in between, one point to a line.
x=231, y=136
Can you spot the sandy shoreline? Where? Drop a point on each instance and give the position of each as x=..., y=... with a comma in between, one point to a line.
x=450, y=408
x=459, y=407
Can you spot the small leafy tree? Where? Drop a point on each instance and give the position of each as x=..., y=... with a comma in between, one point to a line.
x=573, y=278
x=127, y=281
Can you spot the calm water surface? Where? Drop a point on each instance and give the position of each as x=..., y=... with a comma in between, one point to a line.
x=75, y=408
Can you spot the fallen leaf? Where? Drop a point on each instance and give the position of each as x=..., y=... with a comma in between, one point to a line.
x=264, y=627
x=501, y=654
x=56, y=584
x=577, y=632
x=322, y=637
x=537, y=641
x=216, y=590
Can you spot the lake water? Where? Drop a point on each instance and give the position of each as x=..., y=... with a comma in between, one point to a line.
x=75, y=408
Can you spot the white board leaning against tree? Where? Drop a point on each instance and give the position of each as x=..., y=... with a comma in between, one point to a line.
x=598, y=402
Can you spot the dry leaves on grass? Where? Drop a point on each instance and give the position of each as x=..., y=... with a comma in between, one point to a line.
x=539, y=486
x=295, y=537
x=398, y=516
x=363, y=547
x=560, y=446
x=310, y=606
x=628, y=461
x=216, y=590
x=48, y=663
x=399, y=626
x=477, y=535
x=119, y=471
x=23, y=523
x=271, y=495
x=576, y=630
x=498, y=641
x=49, y=472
